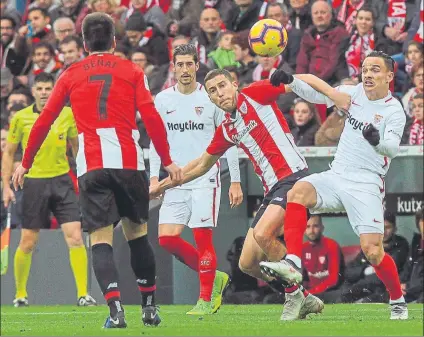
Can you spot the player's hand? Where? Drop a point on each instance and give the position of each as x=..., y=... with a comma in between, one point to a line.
x=371, y=134
x=341, y=100
x=155, y=191
x=235, y=194
x=18, y=177
x=280, y=76
x=403, y=287
x=175, y=173
x=8, y=196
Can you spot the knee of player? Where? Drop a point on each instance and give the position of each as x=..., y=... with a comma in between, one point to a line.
x=74, y=239
x=28, y=243
x=300, y=193
x=260, y=235
x=374, y=252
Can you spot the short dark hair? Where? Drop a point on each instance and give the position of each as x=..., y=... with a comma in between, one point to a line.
x=44, y=44
x=23, y=91
x=8, y=17
x=416, y=44
x=42, y=10
x=388, y=61
x=390, y=217
x=367, y=9
x=72, y=38
x=44, y=78
x=98, y=31
x=216, y=72
x=185, y=49
x=419, y=216
x=122, y=48
x=242, y=39
x=283, y=7
x=419, y=96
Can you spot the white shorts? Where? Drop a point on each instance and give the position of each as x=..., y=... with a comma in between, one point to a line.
x=195, y=208
x=363, y=202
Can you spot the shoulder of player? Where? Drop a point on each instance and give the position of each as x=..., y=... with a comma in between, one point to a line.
x=166, y=94
x=25, y=112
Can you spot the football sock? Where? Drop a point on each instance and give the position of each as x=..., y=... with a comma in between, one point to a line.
x=107, y=276
x=294, y=229
x=207, y=261
x=388, y=274
x=277, y=286
x=78, y=260
x=22, y=266
x=182, y=250
x=144, y=267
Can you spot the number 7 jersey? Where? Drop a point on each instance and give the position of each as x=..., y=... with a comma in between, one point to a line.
x=105, y=92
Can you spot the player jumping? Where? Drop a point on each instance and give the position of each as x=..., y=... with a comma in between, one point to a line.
x=192, y=119
x=355, y=182
x=48, y=189
x=254, y=123
x=105, y=92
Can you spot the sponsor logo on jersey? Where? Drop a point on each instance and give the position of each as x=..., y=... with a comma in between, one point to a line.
x=191, y=126
x=199, y=110
x=356, y=125
x=249, y=127
x=319, y=274
x=61, y=136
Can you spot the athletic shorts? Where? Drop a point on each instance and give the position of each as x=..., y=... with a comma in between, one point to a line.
x=107, y=195
x=195, y=208
x=363, y=202
x=278, y=194
x=44, y=196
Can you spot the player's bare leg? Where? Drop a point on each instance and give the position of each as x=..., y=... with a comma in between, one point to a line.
x=22, y=264
x=301, y=197
x=144, y=266
x=107, y=275
x=386, y=270
x=78, y=259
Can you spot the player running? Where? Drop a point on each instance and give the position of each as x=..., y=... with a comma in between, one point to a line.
x=105, y=92
x=355, y=182
x=191, y=119
x=254, y=123
x=48, y=189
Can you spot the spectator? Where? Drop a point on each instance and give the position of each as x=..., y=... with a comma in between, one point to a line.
x=416, y=133
x=21, y=95
x=363, y=283
x=149, y=38
x=300, y=15
x=150, y=10
x=3, y=136
x=43, y=59
x=362, y=41
x=63, y=27
x=223, y=56
x=267, y=66
x=207, y=37
x=414, y=55
x=331, y=129
x=139, y=58
x=417, y=75
x=415, y=30
x=122, y=51
x=13, y=110
x=70, y=9
x=7, y=10
x=48, y=5
x=8, y=83
x=348, y=10
x=72, y=50
x=322, y=46
x=38, y=29
x=234, y=74
x=323, y=262
x=279, y=12
x=245, y=14
x=14, y=49
x=186, y=13
x=244, y=56
x=413, y=275
x=306, y=123
x=224, y=7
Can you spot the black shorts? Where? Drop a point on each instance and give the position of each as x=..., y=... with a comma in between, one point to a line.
x=43, y=196
x=278, y=194
x=107, y=195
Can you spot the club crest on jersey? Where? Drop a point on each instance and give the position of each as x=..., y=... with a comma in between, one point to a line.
x=377, y=119
x=243, y=108
x=321, y=259
x=61, y=136
x=199, y=110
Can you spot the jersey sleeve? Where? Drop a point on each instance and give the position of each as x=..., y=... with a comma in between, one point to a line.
x=15, y=133
x=219, y=143
x=393, y=131
x=264, y=92
x=41, y=128
x=347, y=89
x=154, y=159
x=72, y=130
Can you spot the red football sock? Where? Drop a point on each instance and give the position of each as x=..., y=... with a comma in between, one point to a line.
x=207, y=261
x=388, y=274
x=294, y=227
x=182, y=250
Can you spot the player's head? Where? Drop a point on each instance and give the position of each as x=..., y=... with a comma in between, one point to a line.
x=98, y=31
x=221, y=88
x=186, y=63
x=42, y=88
x=418, y=107
x=389, y=225
x=314, y=228
x=377, y=72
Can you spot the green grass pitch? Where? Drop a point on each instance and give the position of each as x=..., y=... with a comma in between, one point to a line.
x=231, y=320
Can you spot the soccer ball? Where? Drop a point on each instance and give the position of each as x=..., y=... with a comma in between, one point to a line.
x=268, y=38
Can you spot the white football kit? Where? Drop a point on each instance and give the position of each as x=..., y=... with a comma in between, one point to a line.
x=355, y=181
x=190, y=121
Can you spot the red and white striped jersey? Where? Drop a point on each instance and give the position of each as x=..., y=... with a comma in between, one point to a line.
x=105, y=92
x=260, y=129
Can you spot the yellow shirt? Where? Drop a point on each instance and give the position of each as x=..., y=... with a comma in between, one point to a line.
x=51, y=160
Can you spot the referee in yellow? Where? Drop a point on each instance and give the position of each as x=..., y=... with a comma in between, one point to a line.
x=47, y=189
